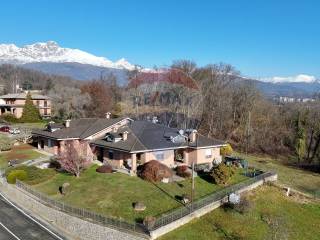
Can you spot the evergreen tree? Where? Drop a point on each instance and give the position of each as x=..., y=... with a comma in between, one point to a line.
x=300, y=138
x=30, y=111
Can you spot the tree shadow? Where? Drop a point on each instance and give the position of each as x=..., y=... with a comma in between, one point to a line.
x=168, y=194
x=205, y=176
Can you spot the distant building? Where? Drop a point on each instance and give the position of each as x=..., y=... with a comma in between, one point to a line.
x=13, y=103
x=283, y=99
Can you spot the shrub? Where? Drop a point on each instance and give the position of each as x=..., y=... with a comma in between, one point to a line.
x=222, y=174
x=183, y=171
x=149, y=221
x=104, y=169
x=16, y=174
x=34, y=175
x=244, y=206
x=8, y=117
x=5, y=146
x=226, y=150
x=155, y=171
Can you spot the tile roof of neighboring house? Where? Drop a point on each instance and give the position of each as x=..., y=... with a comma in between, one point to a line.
x=79, y=128
x=146, y=136
x=23, y=96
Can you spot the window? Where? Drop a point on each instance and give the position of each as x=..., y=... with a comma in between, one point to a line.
x=159, y=156
x=208, y=153
x=110, y=154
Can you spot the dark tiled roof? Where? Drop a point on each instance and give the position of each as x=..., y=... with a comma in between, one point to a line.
x=144, y=136
x=80, y=128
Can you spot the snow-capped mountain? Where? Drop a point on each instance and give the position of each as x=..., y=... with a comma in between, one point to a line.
x=51, y=52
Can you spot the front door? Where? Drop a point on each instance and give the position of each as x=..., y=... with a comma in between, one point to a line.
x=100, y=155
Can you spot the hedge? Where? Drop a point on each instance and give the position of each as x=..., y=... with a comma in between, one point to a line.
x=16, y=174
x=34, y=175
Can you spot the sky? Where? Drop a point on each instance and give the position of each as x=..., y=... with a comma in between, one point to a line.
x=262, y=39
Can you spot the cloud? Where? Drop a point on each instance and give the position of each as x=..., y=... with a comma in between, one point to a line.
x=298, y=78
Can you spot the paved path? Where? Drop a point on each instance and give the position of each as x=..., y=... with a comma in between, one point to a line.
x=14, y=225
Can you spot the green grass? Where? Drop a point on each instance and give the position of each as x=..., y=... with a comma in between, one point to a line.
x=113, y=194
x=273, y=216
x=41, y=125
x=21, y=153
x=35, y=175
x=298, y=179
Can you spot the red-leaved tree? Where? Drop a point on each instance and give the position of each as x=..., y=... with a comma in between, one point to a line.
x=74, y=157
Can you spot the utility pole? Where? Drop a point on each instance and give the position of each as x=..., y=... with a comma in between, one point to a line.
x=192, y=187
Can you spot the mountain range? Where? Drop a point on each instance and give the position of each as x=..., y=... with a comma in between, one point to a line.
x=50, y=58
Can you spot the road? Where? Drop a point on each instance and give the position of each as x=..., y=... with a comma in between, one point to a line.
x=14, y=225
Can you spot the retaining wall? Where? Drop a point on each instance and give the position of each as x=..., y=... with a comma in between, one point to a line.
x=74, y=227
x=202, y=211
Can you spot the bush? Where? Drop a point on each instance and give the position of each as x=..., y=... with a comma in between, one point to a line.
x=104, y=169
x=8, y=117
x=227, y=150
x=155, y=171
x=222, y=174
x=5, y=146
x=183, y=171
x=149, y=222
x=34, y=175
x=16, y=174
x=5, y=143
x=244, y=206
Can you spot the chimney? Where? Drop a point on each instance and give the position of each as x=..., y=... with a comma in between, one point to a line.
x=193, y=136
x=124, y=135
x=108, y=115
x=67, y=123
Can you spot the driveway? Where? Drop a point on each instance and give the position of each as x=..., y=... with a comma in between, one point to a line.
x=16, y=226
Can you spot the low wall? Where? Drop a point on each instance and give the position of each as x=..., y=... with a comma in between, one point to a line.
x=206, y=209
x=75, y=227
x=80, y=229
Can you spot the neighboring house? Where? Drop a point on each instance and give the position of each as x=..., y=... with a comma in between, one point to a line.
x=124, y=143
x=13, y=103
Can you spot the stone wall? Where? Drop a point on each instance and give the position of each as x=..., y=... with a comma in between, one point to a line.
x=73, y=227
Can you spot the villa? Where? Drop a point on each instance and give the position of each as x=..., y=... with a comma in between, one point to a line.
x=13, y=103
x=126, y=144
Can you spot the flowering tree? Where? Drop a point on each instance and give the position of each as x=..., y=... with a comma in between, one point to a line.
x=74, y=157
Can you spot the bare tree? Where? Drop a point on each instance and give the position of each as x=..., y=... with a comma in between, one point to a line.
x=74, y=157
x=69, y=102
x=25, y=135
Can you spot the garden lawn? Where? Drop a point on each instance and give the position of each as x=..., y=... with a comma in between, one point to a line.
x=21, y=153
x=296, y=178
x=40, y=125
x=114, y=194
x=272, y=216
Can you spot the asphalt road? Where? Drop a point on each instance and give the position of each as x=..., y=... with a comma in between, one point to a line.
x=14, y=225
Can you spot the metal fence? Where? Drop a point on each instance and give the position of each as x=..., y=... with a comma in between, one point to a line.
x=178, y=213
x=138, y=228
x=119, y=224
